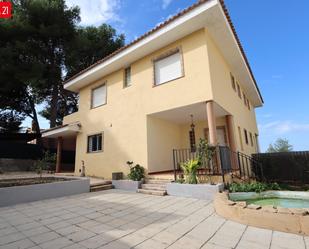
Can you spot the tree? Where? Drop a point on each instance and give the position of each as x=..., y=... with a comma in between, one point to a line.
x=10, y=122
x=281, y=145
x=89, y=45
x=40, y=48
x=31, y=54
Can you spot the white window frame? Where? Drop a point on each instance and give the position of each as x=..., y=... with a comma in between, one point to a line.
x=102, y=142
x=127, y=81
x=92, y=96
x=164, y=56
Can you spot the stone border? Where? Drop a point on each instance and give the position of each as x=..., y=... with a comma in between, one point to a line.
x=27, y=193
x=198, y=191
x=128, y=185
x=291, y=220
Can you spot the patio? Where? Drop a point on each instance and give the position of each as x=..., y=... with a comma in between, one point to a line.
x=118, y=219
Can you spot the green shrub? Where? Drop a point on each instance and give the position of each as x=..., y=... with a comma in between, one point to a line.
x=253, y=187
x=190, y=171
x=48, y=160
x=137, y=172
x=205, y=153
x=180, y=180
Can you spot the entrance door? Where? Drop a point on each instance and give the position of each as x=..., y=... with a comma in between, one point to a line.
x=221, y=135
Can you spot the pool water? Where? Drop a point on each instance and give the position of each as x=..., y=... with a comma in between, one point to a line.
x=280, y=202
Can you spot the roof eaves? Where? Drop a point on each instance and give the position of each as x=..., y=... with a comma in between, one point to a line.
x=239, y=45
x=183, y=12
x=158, y=27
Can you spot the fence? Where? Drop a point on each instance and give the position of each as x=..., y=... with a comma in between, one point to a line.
x=20, y=150
x=9, y=150
x=182, y=155
x=285, y=166
x=224, y=161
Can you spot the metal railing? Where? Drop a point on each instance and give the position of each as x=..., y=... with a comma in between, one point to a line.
x=223, y=162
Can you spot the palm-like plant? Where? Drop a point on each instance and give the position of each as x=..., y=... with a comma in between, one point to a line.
x=190, y=171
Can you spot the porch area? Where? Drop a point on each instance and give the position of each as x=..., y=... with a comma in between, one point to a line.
x=173, y=138
x=62, y=140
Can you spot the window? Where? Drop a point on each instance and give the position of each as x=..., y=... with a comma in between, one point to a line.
x=238, y=90
x=168, y=68
x=248, y=102
x=251, y=139
x=127, y=77
x=246, y=136
x=192, y=140
x=245, y=99
x=94, y=143
x=240, y=138
x=233, y=82
x=98, y=96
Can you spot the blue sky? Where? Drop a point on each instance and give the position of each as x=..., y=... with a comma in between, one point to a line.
x=275, y=36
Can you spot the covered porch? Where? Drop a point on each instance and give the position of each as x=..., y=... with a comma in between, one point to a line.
x=173, y=135
x=64, y=140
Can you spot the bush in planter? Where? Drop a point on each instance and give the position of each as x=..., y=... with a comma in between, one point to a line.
x=190, y=171
x=137, y=172
x=46, y=163
x=257, y=187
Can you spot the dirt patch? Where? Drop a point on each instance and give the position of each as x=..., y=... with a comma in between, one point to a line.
x=30, y=181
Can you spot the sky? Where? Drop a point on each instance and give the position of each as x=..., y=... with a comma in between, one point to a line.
x=275, y=37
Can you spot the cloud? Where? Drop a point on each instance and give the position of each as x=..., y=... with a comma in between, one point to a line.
x=283, y=127
x=95, y=12
x=166, y=3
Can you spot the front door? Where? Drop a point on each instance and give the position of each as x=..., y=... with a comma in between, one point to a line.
x=221, y=135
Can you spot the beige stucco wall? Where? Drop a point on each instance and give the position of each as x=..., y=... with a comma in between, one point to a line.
x=132, y=134
x=226, y=97
x=124, y=118
x=163, y=137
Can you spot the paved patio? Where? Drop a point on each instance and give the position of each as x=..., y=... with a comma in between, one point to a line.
x=117, y=219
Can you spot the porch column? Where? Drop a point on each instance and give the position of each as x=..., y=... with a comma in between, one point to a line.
x=211, y=119
x=230, y=132
x=59, y=154
x=232, y=142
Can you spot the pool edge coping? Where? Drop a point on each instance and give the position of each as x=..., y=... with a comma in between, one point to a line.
x=291, y=220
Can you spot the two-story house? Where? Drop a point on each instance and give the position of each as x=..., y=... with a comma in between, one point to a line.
x=138, y=104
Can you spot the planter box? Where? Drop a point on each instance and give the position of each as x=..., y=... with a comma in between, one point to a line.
x=21, y=194
x=198, y=191
x=128, y=185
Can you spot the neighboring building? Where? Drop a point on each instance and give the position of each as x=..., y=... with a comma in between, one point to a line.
x=136, y=104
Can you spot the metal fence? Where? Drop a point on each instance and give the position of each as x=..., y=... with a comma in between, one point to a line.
x=223, y=162
x=285, y=166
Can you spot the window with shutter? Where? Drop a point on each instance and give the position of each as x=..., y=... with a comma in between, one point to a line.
x=168, y=68
x=98, y=96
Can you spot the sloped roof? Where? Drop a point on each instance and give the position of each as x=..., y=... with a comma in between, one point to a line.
x=168, y=21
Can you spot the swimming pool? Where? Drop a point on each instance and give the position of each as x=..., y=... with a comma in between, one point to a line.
x=286, y=199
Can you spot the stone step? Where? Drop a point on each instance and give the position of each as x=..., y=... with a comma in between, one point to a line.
x=157, y=181
x=152, y=186
x=105, y=182
x=100, y=187
x=152, y=192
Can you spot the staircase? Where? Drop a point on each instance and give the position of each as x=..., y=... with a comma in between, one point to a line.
x=99, y=186
x=154, y=187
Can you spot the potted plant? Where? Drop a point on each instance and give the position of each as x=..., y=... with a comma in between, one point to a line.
x=135, y=178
